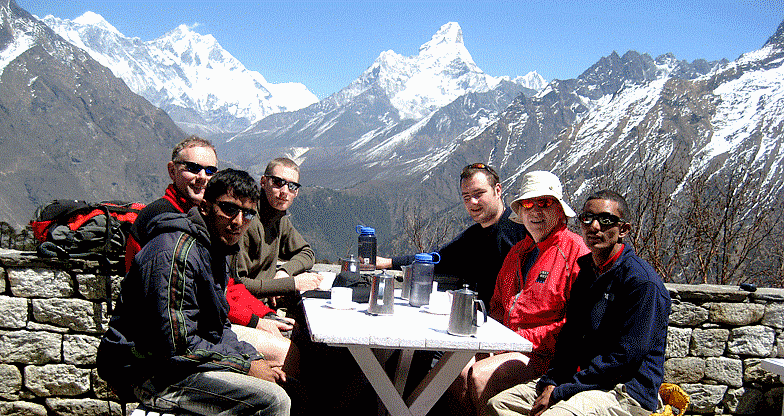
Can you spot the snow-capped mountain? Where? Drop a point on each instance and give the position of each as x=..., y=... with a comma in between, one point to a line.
x=442, y=71
x=399, y=110
x=190, y=76
x=70, y=129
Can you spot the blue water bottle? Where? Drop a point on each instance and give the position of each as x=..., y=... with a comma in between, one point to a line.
x=422, y=278
x=366, y=245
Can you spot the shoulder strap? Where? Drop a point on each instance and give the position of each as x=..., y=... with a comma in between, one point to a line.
x=177, y=285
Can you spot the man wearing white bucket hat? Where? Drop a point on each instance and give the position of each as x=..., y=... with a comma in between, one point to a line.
x=531, y=290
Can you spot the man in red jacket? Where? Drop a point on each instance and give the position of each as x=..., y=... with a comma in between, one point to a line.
x=192, y=165
x=531, y=291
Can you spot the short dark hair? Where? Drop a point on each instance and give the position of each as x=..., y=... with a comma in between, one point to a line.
x=474, y=168
x=281, y=161
x=191, y=141
x=606, y=194
x=238, y=183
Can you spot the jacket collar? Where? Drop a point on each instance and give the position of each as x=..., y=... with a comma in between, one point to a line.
x=176, y=199
x=268, y=214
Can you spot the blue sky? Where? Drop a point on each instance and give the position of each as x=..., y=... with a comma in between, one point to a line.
x=327, y=44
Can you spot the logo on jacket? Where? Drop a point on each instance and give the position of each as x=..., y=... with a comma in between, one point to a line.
x=542, y=276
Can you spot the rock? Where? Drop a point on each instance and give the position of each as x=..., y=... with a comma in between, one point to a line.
x=40, y=283
x=76, y=314
x=57, y=380
x=22, y=409
x=752, y=340
x=30, y=347
x=678, y=342
x=704, y=398
x=13, y=312
x=10, y=382
x=736, y=314
x=684, y=370
x=774, y=315
x=83, y=407
x=709, y=342
x=724, y=370
x=687, y=314
x=754, y=373
x=80, y=349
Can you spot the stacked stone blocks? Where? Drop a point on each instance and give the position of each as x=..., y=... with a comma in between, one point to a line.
x=53, y=313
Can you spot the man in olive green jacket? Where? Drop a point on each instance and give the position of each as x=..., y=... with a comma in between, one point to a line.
x=273, y=254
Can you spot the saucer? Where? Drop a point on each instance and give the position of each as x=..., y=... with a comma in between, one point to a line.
x=427, y=309
x=351, y=305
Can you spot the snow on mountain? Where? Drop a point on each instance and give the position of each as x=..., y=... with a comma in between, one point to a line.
x=21, y=35
x=184, y=73
x=442, y=71
x=699, y=118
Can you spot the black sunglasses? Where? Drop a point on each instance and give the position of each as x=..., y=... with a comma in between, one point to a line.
x=280, y=182
x=231, y=210
x=604, y=218
x=195, y=168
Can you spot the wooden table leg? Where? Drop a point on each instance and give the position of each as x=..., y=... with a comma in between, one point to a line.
x=403, y=367
x=378, y=379
x=438, y=380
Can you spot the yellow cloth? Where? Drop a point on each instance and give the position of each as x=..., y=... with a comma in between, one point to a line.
x=673, y=397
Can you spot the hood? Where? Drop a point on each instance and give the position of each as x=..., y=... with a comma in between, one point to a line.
x=191, y=223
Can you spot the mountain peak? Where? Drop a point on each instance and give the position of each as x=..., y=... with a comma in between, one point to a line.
x=95, y=19
x=778, y=37
x=449, y=35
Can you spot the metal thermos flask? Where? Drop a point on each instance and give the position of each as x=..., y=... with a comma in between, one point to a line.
x=382, y=294
x=463, y=315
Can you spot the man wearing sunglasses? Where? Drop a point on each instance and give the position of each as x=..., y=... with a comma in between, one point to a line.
x=170, y=340
x=273, y=255
x=475, y=255
x=609, y=358
x=192, y=164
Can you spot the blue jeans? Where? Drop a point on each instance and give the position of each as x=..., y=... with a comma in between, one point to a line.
x=219, y=393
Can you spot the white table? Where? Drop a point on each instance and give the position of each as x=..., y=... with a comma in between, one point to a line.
x=408, y=329
x=775, y=366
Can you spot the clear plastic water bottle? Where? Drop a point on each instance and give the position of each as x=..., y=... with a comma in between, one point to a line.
x=422, y=278
x=366, y=245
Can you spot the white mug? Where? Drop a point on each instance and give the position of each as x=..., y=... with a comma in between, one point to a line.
x=440, y=302
x=341, y=297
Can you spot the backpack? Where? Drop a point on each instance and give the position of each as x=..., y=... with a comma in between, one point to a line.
x=74, y=229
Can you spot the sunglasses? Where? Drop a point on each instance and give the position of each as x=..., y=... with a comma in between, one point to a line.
x=195, y=168
x=541, y=203
x=280, y=182
x=604, y=218
x=231, y=210
x=467, y=171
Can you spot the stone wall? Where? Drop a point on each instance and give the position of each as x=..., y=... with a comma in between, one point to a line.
x=53, y=313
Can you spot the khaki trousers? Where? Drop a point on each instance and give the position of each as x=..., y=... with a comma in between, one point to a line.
x=519, y=399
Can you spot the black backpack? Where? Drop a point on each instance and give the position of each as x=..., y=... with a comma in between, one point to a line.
x=75, y=229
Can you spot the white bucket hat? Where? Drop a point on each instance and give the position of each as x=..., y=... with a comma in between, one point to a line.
x=539, y=183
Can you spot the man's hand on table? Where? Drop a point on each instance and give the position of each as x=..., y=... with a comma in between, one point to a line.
x=307, y=281
x=383, y=262
x=263, y=370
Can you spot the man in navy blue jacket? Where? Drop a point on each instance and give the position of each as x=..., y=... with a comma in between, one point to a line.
x=609, y=357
